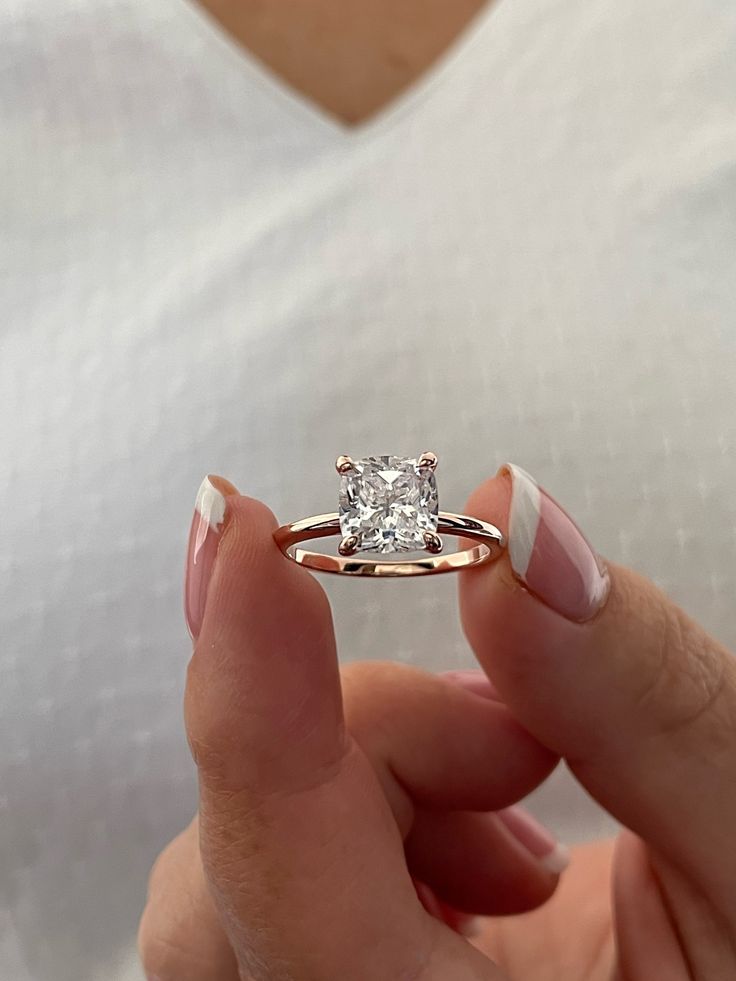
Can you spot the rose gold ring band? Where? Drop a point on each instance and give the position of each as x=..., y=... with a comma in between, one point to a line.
x=489, y=543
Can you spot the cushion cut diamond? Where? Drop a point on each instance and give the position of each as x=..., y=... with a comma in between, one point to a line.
x=388, y=503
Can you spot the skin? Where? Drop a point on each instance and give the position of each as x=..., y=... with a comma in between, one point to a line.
x=350, y=58
x=317, y=787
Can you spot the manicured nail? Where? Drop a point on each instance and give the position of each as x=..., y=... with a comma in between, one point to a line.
x=465, y=923
x=473, y=680
x=550, y=554
x=470, y=926
x=428, y=899
x=205, y=533
x=542, y=844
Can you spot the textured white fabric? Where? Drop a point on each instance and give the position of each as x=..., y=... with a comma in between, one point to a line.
x=532, y=256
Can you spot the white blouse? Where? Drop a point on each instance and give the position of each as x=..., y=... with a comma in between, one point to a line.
x=530, y=256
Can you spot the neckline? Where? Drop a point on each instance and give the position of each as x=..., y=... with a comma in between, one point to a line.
x=308, y=112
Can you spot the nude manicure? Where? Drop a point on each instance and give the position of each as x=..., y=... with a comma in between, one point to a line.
x=542, y=844
x=550, y=554
x=205, y=533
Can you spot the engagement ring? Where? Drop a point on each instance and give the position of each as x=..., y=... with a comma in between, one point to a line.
x=389, y=504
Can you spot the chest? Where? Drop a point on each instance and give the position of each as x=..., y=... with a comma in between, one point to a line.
x=349, y=57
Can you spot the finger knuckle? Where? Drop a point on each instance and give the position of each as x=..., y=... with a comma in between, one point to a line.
x=160, y=951
x=179, y=854
x=209, y=728
x=165, y=944
x=159, y=870
x=210, y=755
x=688, y=673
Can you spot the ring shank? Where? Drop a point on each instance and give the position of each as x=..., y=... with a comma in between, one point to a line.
x=489, y=542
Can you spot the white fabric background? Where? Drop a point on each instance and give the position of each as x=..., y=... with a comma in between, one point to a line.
x=530, y=257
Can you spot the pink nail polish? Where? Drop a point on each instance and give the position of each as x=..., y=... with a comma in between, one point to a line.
x=470, y=926
x=542, y=844
x=550, y=554
x=428, y=899
x=473, y=680
x=204, y=536
x=465, y=923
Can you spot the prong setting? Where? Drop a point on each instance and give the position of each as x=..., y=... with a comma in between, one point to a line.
x=344, y=464
x=349, y=545
x=432, y=542
x=388, y=502
x=427, y=461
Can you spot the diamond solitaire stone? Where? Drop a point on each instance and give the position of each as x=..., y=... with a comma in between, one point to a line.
x=388, y=503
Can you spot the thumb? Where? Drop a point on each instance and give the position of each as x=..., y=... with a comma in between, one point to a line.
x=604, y=669
x=300, y=847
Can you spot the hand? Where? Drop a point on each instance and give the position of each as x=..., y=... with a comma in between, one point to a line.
x=320, y=806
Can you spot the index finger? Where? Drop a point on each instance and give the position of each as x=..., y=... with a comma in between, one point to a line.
x=601, y=666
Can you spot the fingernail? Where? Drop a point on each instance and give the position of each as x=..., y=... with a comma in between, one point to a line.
x=550, y=554
x=542, y=844
x=465, y=923
x=205, y=533
x=428, y=899
x=472, y=680
x=470, y=926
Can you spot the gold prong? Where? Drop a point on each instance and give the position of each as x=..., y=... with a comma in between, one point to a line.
x=343, y=465
x=432, y=542
x=348, y=546
x=427, y=461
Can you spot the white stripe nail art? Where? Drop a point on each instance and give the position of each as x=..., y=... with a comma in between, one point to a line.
x=210, y=503
x=526, y=505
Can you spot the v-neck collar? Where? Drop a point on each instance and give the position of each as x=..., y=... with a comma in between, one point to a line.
x=309, y=112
